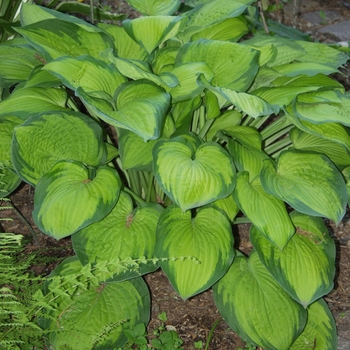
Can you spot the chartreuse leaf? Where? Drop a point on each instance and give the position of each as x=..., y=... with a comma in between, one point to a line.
x=126, y=232
x=150, y=32
x=311, y=246
x=55, y=38
x=68, y=198
x=346, y=174
x=155, y=7
x=193, y=176
x=207, y=238
x=9, y=180
x=234, y=65
x=211, y=12
x=305, y=68
x=320, y=332
x=266, y=212
x=231, y=29
x=256, y=307
x=16, y=63
x=87, y=72
x=33, y=100
x=308, y=182
x=31, y=13
x=228, y=205
x=322, y=107
x=94, y=316
x=226, y=122
x=308, y=142
x=135, y=153
x=40, y=78
x=35, y=149
x=124, y=45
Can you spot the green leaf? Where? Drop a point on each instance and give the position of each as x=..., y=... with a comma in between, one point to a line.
x=193, y=176
x=30, y=101
x=155, y=7
x=150, y=32
x=311, y=246
x=31, y=13
x=35, y=148
x=16, y=63
x=308, y=142
x=68, y=198
x=306, y=68
x=256, y=307
x=95, y=316
x=126, y=232
x=40, y=78
x=226, y=122
x=234, y=65
x=308, y=182
x=55, y=38
x=124, y=45
x=231, y=29
x=206, y=238
x=228, y=205
x=266, y=212
x=87, y=72
x=320, y=332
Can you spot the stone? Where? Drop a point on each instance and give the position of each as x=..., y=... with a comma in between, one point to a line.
x=340, y=31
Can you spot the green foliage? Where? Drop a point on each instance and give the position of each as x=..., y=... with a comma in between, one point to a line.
x=208, y=124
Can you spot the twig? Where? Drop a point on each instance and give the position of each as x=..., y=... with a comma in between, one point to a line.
x=279, y=17
x=263, y=17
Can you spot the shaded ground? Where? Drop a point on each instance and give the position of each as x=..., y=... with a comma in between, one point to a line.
x=194, y=318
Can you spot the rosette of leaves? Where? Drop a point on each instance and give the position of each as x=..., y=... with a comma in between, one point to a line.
x=208, y=123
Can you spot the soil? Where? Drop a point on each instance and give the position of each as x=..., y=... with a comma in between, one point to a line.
x=193, y=319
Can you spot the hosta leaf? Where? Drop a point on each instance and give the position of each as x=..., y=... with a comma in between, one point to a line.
x=87, y=72
x=187, y=75
x=287, y=50
x=308, y=142
x=55, y=38
x=266, y=212
x=135, y=153
x=30, y=101
x=40, y=78
x=9, y=181
x=308, y=182
x=320, y=332
x=226, y=122
x=68, y=198
x=124, y=233
x=346, y=174
x=35, y=148
x=207, y=238
x=193, y=176
x=231, y=29
x=228, y=205
x=124, y=45
x=305, y=68
x=150, y=32
x=234, y=65
x=330, y=106
x=16, y=63
x=322, y=54
x=256, y=307
x=31, y=13
x=211, y=12
x=164, y=59
x=155, y=7
x=95, y=316
x=249, y=104
x=311, y=246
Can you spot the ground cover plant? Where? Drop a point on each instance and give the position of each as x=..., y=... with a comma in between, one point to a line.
x=145, y=142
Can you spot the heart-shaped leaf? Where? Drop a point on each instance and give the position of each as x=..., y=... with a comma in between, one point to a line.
x=87, y=72
x=315, y=187
x=320, y=331
x=265, y=211
x=35, y=149
x=256, y=307
x=234, y=65
x=93, y=315
x=150, y=32
x=155, y=7
x=207, y=239
x=193, y=176
x=124, y=233
x=68, y=198
x=311, y=246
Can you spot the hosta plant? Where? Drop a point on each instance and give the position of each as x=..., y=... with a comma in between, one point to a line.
x=150, y=139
